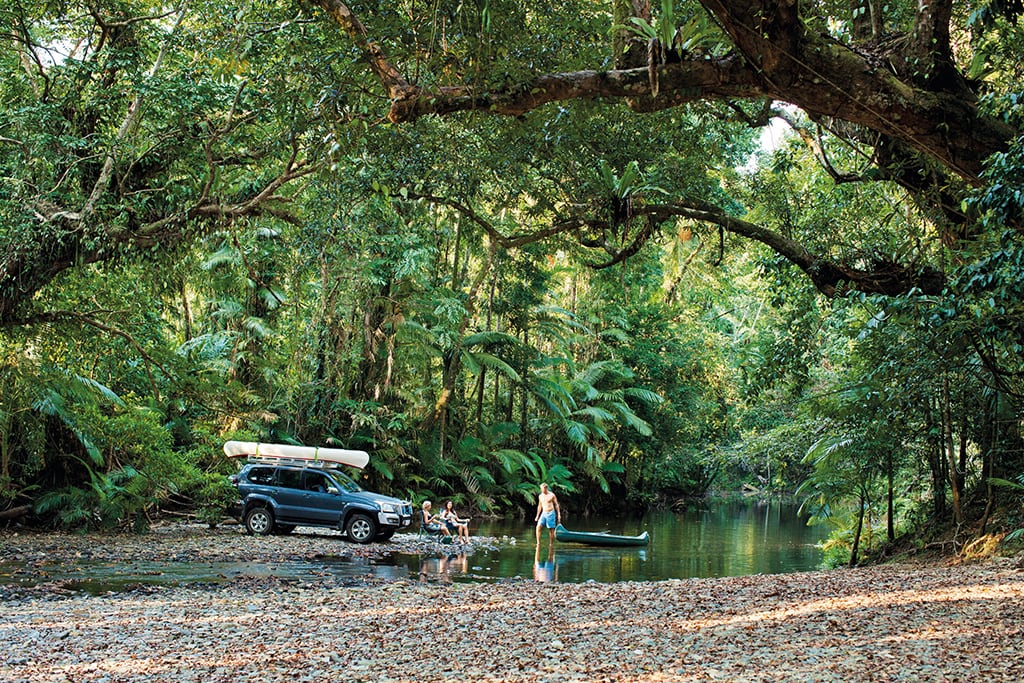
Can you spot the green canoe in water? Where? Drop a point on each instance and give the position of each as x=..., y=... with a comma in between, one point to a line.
x=599, y=537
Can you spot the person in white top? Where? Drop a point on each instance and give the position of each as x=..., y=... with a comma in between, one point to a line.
x=454, y=522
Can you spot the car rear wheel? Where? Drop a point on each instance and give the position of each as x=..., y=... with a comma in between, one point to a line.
x=259, y=521
x=361, y=528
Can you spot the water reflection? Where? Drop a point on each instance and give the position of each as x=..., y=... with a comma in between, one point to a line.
x=545, y=571
x=441, y=568
x=723, y=539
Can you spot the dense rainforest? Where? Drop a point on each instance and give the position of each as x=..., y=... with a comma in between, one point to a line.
x=640, y=253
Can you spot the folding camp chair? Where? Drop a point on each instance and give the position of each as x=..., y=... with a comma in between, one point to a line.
x=434, y=532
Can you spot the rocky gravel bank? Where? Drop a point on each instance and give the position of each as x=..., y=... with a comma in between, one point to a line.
x=951, y=622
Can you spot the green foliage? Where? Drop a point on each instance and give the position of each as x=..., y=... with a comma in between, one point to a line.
x=212, y=494
x=695, y=33
x=107, y=500
x=1017, y=486
x=264, y=257
x=130, y=470
x=1001, y=200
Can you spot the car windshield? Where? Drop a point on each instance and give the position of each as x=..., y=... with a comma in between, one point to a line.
x=345, y=482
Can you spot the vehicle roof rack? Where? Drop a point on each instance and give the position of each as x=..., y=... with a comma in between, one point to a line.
x=295, y=462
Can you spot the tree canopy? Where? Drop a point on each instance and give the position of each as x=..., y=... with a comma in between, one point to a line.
x=909, y=87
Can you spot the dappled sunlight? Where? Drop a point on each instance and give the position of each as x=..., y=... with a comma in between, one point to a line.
x=861, y=602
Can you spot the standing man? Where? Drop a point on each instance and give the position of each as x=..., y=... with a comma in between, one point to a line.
x=548, y=513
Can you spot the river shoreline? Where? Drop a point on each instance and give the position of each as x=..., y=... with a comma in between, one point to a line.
x=186, y=541
x=937, y=622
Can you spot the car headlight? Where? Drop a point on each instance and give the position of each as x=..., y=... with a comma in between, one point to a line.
x=388, y=507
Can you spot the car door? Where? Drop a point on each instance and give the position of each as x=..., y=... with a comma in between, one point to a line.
x=290, y=496
x=319, y=503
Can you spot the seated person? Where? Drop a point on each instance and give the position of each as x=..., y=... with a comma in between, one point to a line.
x=430, y=523
x=454, y=522
x=315, y=482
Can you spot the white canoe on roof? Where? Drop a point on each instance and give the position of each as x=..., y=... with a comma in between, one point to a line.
x=311, y=454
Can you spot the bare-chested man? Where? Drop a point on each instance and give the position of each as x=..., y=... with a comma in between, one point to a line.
x=548, y=513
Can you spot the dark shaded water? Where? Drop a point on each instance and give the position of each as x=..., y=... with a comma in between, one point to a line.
x=724, y=539
x=107, y=577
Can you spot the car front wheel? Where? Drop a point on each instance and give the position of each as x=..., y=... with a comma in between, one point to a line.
x=259, y=521
x=361, y=528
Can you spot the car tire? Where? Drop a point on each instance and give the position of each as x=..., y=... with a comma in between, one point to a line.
x=361, y=528
x=259, y=521
x=384, y=535
x=283, y=529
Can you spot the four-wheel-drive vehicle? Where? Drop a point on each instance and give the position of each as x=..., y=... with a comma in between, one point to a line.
x=278, y=494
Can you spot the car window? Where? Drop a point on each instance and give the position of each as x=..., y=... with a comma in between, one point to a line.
x=344, y=482
x=316, y=481
x=289, y=479
x=261, y=475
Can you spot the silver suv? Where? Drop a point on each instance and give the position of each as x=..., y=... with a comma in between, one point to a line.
x=278, y=498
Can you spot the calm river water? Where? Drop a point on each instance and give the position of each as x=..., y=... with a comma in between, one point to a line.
x=723, y=539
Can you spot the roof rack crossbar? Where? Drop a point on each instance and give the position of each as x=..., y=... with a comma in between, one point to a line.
x=294, y=462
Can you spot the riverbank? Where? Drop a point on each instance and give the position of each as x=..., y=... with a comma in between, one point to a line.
x=941, y=622
x=190, y=542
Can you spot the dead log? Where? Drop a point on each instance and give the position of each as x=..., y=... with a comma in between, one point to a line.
x=14, y=513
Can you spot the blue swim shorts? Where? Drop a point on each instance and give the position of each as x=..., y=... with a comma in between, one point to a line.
x=548, y=520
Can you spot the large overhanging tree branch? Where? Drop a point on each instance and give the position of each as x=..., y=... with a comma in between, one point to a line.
x=902, y=95
x=128, y=126
x=907, y=89
x=874, y=275
x=27, y=269
x=830, y=277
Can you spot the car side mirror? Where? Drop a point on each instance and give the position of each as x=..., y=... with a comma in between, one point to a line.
x=331, y=489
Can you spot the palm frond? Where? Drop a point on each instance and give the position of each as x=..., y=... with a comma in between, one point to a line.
x=596, y=413
x=576, y=432
x=494, y=363
x=102, y=389
x=631, y=419
x=645, y=396
x=491, y=339
x=225, y=256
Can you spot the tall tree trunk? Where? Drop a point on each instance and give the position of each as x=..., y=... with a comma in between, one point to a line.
x=890, y=524
x=947, y=444
x=449, y=373
x=935, y=462
x=5, y=446
x=478, y=418
x=962, y=460
x=482, y=382
x=988, y=456
x=989, y=493
x=456, y=273
x=523, y=372
x=862, y=503
x=377, y=319
x=186, y=308
x=628, y=49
